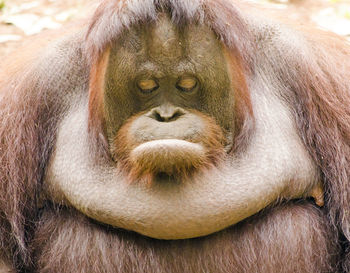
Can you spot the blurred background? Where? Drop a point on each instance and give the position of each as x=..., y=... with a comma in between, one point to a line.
x=22, y=18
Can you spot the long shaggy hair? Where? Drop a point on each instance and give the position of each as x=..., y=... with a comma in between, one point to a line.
x=289, y=238
x=313, y=79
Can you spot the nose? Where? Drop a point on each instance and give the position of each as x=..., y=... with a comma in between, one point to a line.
x=166, y=113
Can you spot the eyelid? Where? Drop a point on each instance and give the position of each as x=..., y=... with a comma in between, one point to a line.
x=148, y=85
x=187, y=83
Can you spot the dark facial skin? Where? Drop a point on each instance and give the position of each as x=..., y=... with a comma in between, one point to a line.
x=164, y=71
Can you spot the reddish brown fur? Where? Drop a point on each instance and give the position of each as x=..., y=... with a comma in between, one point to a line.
x=243, y=114
x=96, y=114
x=29, y=114
x=24, y=153
x=288, y=238
x=322, y=100
x=291, y=238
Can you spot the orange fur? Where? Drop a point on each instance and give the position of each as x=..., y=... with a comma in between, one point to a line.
x=212, y=140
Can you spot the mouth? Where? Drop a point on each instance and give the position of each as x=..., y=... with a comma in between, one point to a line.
x=168, y=156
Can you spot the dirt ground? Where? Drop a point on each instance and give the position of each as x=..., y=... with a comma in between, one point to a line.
x=22, y=18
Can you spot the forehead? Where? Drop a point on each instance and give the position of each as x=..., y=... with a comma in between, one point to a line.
x=162, y=42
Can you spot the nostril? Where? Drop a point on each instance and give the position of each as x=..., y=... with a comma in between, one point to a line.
x=158, y=117
x=166, y=116
x=176, y=115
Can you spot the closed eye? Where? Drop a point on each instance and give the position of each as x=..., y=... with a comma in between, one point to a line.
x=186, y=84
x=147, y=86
